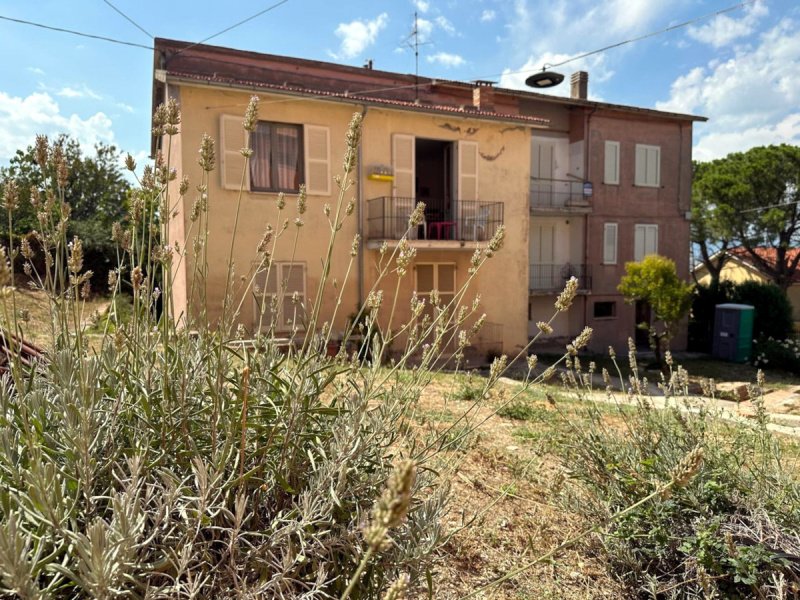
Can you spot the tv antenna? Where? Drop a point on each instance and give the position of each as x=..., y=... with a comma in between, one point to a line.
x=415, y=47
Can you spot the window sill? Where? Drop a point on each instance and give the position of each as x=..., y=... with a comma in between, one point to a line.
x=614, y=318
x=647, y=185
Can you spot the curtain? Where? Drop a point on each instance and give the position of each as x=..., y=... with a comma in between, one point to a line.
x=260, y=142
x=286, y=156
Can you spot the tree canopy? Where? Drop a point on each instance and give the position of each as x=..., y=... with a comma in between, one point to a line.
x=655, y=280
x=749, y=199
x=96, y=191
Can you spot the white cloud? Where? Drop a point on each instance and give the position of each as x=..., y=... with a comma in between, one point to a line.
x=488, y=15
x=422, y=6
x=446, y=25
x=424, y=29
x=36, y=71
x=719, y=143
x=357, y=35
x=750, y=97
x=82, y=91
x=22, y=118
x=446, y=59
x=548, y=32
x=724, y=29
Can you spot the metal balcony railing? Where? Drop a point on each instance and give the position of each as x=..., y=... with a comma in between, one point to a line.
x=558, y=194
x=552, y=278
x=466, y=220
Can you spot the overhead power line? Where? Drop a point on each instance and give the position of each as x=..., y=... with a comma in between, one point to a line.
x=79, y=33
x=130, y=20
x=227, y=29
x=649, y=35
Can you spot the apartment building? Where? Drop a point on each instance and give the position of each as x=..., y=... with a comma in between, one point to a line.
x=580, y=186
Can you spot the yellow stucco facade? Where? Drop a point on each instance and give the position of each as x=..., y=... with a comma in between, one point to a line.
x=502, y=176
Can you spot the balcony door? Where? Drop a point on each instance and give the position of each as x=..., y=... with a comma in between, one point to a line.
x=543, y=172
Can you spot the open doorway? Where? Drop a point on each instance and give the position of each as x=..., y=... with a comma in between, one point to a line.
x=434, y=179
x=643, y=315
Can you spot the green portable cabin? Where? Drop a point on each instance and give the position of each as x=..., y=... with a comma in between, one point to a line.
x=733, y=332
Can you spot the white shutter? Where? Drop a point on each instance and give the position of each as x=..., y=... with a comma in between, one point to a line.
x=610, y=243
x=645, y=241
x=648, y=165
x=544, y=244
x=232, y=139
x=638, y=243
x=293, y=280
x=403, y=160
x=467, y=170
x=316, y=145
x=611, y=173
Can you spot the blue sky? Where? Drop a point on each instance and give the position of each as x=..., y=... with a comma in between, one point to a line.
x=741, y=69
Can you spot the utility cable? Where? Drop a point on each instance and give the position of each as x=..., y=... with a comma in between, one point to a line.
x=648, y=35
x=129, y=20
x=227, y=29
x=79, y=33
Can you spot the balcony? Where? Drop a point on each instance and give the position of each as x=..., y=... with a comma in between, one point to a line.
x=466, y=221
x=548, y=279
x=558, y=195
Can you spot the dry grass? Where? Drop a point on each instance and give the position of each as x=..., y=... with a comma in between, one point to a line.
x=508, y=485
x=37, y=329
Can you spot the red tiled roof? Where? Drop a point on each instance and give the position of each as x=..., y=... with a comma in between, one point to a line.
x=355, y=97
x=769, y=255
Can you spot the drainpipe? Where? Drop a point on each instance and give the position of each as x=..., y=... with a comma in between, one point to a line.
x=586, y=177
x=360, y=212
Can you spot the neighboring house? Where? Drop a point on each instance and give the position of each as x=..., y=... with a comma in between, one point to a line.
x=581, y=186
x=739, y=267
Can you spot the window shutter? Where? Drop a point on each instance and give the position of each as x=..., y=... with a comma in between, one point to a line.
x=318, y=165
x=645, y=241
x=293, y=276
x=232, y=140
x=611, y=175
x=654, y=165
x=610, y=243
x=638, y=243
x=467, y=170
x=267, y=287
x=403, y=160
x=641, y=165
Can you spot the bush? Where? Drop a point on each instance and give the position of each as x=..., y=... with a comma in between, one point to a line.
x=773, y=311
x=177, y=461
x=777, y=354
x=721, y=529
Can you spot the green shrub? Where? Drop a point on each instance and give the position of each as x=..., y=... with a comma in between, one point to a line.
x=777, y=354
x=773, y=311
x=724, y=532
x=176, y=460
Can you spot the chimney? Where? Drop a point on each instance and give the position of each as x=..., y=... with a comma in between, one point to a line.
x=483, y=95
x=579, y=88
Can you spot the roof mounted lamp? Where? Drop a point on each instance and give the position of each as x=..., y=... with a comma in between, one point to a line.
x=544, y=79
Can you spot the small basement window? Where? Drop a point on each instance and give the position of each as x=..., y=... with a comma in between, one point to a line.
x=605, y=310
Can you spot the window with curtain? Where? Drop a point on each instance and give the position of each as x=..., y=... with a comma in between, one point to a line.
x=277, y=161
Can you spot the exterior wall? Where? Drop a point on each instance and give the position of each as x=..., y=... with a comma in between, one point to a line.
x=503, y=175
x=202, y=108
x=627, y=205
x=731, y=271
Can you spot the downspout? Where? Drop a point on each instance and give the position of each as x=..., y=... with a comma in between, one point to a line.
x=586, y=177
x=360, y=212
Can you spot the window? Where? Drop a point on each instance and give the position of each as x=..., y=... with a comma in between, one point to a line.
x=645, y=241
x=611, y=172
x=277, y=161
x=281, y=294
x=436, y=276
x=610, y=244
x=605, y=310
x=648, y=166
x=284, y=156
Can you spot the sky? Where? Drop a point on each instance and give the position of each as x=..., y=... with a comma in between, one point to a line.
x=741, y=69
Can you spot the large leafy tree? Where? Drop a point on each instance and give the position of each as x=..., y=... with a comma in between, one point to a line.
x=655, y=280
x=750, y=199
x=96, y=191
